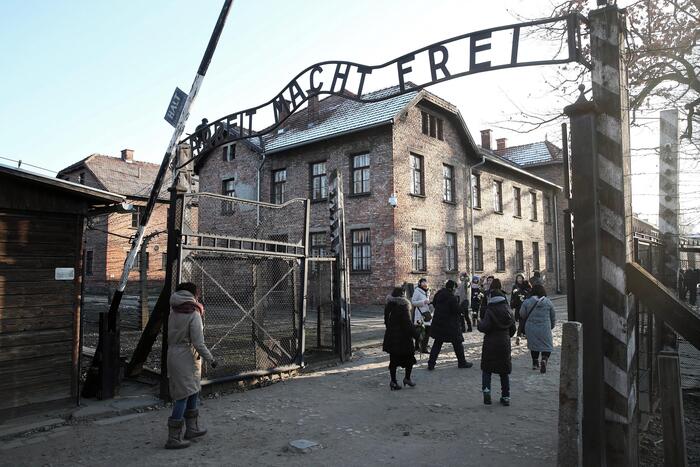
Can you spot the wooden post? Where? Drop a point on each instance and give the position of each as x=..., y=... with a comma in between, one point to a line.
x=669, y=207
x=570, y=396
x=587, y=293
x=614, y=209
x=672, y=410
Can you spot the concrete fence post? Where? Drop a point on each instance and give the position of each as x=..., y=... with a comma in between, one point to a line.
x=570, y=452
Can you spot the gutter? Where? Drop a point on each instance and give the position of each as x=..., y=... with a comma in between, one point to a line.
x=470, y=243
x=557, y=264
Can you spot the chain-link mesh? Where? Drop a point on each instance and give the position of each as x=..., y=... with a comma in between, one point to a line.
x=247, y=260
x=252, y=309
x=320, y=326
x=215, y=215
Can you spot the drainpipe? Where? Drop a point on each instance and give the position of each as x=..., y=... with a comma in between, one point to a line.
x=470, y=243
x=557, y=265
x=259, y=181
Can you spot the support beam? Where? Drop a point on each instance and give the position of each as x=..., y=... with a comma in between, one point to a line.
x=675, y=454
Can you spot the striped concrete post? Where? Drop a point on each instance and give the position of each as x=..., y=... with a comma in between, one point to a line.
x=668, y=196
x=610, y=95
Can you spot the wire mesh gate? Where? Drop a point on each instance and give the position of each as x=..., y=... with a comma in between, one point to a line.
x=249, y=259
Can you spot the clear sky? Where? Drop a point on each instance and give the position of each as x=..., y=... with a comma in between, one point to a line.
x=81, y=77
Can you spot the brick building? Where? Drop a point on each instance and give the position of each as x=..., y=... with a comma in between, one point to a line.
x=107, y=239
x=545, y=160
x=415, y=146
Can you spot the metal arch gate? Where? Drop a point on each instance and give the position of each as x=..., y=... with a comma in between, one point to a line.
x=249, y=259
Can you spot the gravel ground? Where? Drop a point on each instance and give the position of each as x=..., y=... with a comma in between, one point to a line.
x=350, y=411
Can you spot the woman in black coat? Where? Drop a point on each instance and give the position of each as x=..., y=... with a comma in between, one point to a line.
x=399, y=336
x=521, y=291
x=498, y=325
x=447, y=325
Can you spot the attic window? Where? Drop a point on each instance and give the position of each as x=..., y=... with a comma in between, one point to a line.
x=431, y=125
x=81, y=178
x=229, y=152
x=280, y=131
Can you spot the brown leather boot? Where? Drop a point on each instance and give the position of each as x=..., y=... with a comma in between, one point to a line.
x=174, y=435
x=192, y=423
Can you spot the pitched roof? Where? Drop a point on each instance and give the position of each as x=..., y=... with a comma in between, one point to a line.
x=540, y=152
x=93, y=194
x=133, y=179
x=337, y=115
x=495, y=158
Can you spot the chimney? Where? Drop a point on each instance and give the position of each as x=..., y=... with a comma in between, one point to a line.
x=486, y=139
x=312, y=109
x=500, y=144
x=128, y=155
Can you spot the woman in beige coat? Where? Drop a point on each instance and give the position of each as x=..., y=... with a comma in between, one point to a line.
x=185, y=349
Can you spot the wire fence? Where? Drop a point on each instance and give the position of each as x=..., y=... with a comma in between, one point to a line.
x=247, y=258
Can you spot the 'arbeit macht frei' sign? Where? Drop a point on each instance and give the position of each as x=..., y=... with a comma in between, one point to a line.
x=497, y=48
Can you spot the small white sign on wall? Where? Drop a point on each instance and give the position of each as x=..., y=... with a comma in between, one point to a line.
x=65, y=274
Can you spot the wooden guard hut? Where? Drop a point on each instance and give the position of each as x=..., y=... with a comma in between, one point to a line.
x=42, y=223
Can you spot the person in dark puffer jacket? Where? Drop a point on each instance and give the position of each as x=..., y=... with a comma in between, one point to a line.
x=446, y=325
x=399, y=336
x=498, y=325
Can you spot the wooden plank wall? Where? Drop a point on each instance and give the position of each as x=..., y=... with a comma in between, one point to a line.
x=38, y=314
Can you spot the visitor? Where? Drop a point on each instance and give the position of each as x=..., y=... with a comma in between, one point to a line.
x=398, y=337
x=477, y=294
x=498, y=326
x=421, y=314
x=536, y=279
x=487, y=295
x=446, y=325
x=463, y=293
x=521, y=290
x=691, y=283
x=538, y=317
x=185, y=349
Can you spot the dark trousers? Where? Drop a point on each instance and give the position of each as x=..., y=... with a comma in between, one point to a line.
x=536, y=355
x=437, y=346
x=505, y=383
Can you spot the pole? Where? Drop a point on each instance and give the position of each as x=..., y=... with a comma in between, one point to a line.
x=568, y=234
x=179, y=129
x=113, y=314
x=615, y=234
x=669, y=205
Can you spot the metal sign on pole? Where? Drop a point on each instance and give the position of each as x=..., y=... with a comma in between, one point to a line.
x=160, y=177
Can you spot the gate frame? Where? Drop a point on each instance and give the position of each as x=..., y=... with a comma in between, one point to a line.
x=299, y=252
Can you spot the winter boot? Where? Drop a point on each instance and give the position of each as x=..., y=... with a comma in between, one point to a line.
x=487, y=397
x=192, y=424
x=174, y=433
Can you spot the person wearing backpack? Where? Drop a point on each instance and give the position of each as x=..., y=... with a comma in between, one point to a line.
x=539, y=318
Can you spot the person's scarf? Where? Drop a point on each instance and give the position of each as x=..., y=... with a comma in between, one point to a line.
x=189, y=307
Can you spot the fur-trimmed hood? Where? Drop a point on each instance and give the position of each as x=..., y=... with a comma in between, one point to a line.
x=399, y=301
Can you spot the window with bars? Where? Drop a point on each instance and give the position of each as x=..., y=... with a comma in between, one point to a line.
x=432, y=126
x=549, y=253
x=500, y=255
x=228, y=153
x=417, y=181
x=533, y=205
x=476, y=190
x=361, y=250
x=319, y=244
x=279, y=182
x=137, y=261
x=360, y=174
x=517, y=204
x=88, y=262
x=450, y=251
x=228, y=188
x=418, y=260
x=498, y=196
x=136, y=217
x=448, y=183
x=319, y=181
x=519, y=256
x=547, y=209
x=163, y=261
x=478, y=253
x=536, y=256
